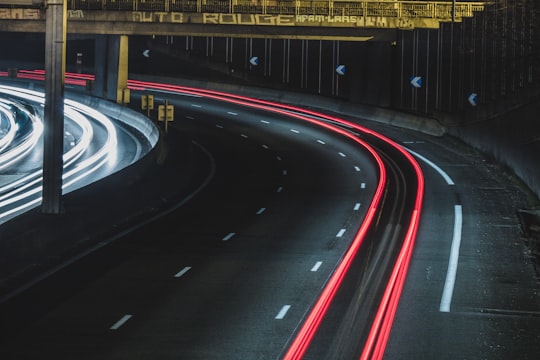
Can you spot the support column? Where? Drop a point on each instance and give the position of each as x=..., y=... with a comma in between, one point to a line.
x=111, y=67
x=53, y=133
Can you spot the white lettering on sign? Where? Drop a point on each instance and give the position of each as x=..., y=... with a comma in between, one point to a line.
x=27, y=14
x=374, y=21
x=158, y=17
x=326, y=18
x=248, y=19
x=75, y=14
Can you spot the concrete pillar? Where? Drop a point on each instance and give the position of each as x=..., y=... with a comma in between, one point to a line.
x=53, y=136
x=111, y=67
x=117, y=66
x=100, y=65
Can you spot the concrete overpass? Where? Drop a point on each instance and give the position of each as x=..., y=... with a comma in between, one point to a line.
x=349, y=20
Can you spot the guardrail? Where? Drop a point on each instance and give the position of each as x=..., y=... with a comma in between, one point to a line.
x=440, y=10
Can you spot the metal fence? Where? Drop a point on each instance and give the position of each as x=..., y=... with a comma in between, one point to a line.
x=388, y=8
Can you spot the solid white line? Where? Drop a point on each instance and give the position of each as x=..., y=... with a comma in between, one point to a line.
x=282, y=312
x=342, y=154
x=321, y=142
x=445, y=176
x=357, y=207
x=261, y=210
x=340, y=233
x=316, y=266
x=448, y=290
x=120, y=322
x=182, y=272
x=356, y=168
x=229, y=236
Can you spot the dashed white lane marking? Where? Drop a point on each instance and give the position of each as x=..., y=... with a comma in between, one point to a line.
x=340, y=233
x=295, y=131
x=244, y=136
x=321, y=142
x=363, y=185
x=120, y=322
x=219, y=126
x=342, y=154
x=265, y=146
x=196, y=105
x=278, y=158
x=190, y=117
x=279, y=189
x=356, y=168
x=356, y=207
x=281, y=314
x=231, y=113
x=316, y=266
x=284, y=172
x=229, y=236
x=182, y=272
x=265, y=121
x=261, y=210
x=453, y=262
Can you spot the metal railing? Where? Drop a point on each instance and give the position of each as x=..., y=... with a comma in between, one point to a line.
x=389, y=8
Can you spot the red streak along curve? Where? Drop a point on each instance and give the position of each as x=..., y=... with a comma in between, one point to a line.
x=380, y=330
x=382, y=324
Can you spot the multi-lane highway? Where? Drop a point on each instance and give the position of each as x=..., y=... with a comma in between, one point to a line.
x=91, y=148
x=296, y=244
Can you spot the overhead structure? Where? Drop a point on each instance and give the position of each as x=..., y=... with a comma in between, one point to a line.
x=53, y=132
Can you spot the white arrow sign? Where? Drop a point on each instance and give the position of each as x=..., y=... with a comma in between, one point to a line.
x=340, y=69
x=416, y=81
x=473, y=99
x=254, y=61
x=146, y=53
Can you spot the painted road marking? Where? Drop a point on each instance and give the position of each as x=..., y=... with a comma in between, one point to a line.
x=340, y=233
x=231, y=113
x=265, y=146
x=279, y=189
x=278, y=158
x=261, y=210
x=284, y=172
x=229, y=236
x=441, y=172
x=182, y=272
x=363, y=185
x=265, y=121
x=453, y=262
x=356, y=207
x=244, y=136
x=342, y=154
x=295, y=131
x=219, y=126
x=321, y=142
x=316, y=266
x=120, y=322
x=356, y=168
x=281, y=314
x=196, y=105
